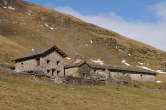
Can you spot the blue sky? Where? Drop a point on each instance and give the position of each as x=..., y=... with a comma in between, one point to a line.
x=129, y=9
x=143, y=20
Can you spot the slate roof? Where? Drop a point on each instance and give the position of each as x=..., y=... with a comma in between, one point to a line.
x=41, y=52
x=113, y=69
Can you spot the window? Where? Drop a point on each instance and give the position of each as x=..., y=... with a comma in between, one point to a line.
x=53, y=70
x=48, y=61
x=38, y=61
x=58, y=62
x=141, y=75
x=22, y=64
x=84, y=75
x=58, y=73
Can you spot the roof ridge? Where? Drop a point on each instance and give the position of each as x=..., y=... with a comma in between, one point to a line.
x=39, y=52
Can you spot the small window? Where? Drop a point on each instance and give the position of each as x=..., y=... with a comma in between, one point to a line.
x=141, y=75
x=48, y=61
x=58, y=62
x=84, y=75
x=58, y=72
x=22, y=64
x=38, y=61
x=53, y=70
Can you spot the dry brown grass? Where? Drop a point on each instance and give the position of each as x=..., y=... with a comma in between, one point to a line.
x=9, y=49
x=72, y=35
x=161, y=77
x=19, y=92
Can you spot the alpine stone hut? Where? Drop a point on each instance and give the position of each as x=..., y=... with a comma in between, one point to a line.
x=49, y=61
x=84, y=70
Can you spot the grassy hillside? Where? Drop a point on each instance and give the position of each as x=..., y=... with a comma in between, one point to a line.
x=33, y=26
x=19, y=92
x=9, y=48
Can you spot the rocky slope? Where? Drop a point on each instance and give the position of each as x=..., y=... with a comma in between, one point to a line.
x=25, y=26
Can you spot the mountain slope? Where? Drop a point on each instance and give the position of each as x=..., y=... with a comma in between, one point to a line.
x=9, y=48
x=33, y=26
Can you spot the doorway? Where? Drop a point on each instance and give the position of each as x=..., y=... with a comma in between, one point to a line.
x=53, y=72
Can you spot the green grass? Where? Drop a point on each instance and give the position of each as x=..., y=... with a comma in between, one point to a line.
x=19, y=92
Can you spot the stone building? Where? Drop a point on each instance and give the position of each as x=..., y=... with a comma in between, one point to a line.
x=49, y=61
x=84, y=70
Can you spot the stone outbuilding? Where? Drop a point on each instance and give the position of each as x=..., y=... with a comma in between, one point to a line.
x=49, y=61
x=99, y=73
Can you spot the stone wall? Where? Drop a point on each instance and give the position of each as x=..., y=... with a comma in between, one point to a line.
x=117, y=76
x=28, y=65
x=48, y=64
x=142, y=77
x=55, y=62
x=78, y=72
x=72, y=72
x=108, y=75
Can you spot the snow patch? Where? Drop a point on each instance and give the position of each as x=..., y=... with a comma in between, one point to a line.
x=68, y=58
x=46, y=25
x=98, y=61
x=51, y=28
x=129, y=54
x=91, y=41
x=140, y=63
x=124, y=62
x=157, y=71
x=11, y=8
x=158, y=82
x=160, y=71
x=29, y=14
x=146, y=68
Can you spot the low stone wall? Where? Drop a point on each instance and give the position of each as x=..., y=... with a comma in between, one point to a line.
x=89, y=81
